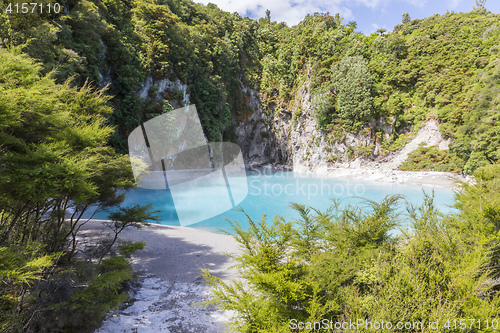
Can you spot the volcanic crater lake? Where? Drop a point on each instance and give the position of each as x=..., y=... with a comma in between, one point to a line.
x=272, y=193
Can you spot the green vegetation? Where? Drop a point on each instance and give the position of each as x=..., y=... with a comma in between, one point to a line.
x=124, y=42
x=352, y=83
x=344, y=264
x=442, y=67
x=55, y=164
x=431, y=158
x=74, y=84
x=101, y=287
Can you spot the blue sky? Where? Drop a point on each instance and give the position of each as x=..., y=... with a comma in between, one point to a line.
x=368, y=14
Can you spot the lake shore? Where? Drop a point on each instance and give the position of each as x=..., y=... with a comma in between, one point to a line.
x=170, y=265
x=383, y=168
x=425, y=178
x=169, y=270
x=379, y=173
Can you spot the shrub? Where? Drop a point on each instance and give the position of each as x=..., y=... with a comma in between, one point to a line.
x=101, y=289
x=345, y=264
x=323, y=104
x=353, y=88
x=296, y=115
x=431, y=158
x=128, y=247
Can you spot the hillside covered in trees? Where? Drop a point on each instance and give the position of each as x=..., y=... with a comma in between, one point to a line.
x=74, y=84
x=440, y=67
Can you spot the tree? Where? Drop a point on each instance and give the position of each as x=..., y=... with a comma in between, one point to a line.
x=268, y=15
x=480, y=3
x=54, y=155
x=55, y=165
x=405, y=18
x=353, y=85
x=323, y=105
x=135, y=216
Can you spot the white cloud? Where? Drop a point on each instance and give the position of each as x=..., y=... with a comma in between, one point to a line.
x=417, y=3
x=374, y=27
x=373, y=4
x=454, y=3
x=291, y=11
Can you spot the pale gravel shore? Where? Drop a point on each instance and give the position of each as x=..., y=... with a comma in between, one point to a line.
x=174, y=257
x=169, y=267
x=426, y=178
x=377, y=172
x=387, y=168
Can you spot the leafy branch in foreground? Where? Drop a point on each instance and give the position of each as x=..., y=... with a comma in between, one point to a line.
x=346, y=264
x=126, y=217
x=55, y=164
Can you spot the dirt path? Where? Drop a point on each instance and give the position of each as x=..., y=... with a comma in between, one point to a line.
x=170, y=285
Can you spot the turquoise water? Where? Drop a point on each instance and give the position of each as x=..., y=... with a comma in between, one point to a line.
x=272, y=194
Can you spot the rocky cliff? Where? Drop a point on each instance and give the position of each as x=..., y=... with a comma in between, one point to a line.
x=289, y=136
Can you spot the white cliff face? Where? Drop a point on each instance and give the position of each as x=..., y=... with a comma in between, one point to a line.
x=291, y=137
x=148, y=83
x=164, y=86
x=105, y=75
x=428, y=134
x=283, y=135
x=288, y=135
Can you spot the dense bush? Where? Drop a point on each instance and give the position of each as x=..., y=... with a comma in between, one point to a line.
x=347, y=264
x=431, y=158
x=56, y=164
x=353, y=85
x=122, y=43
x=441, y=66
